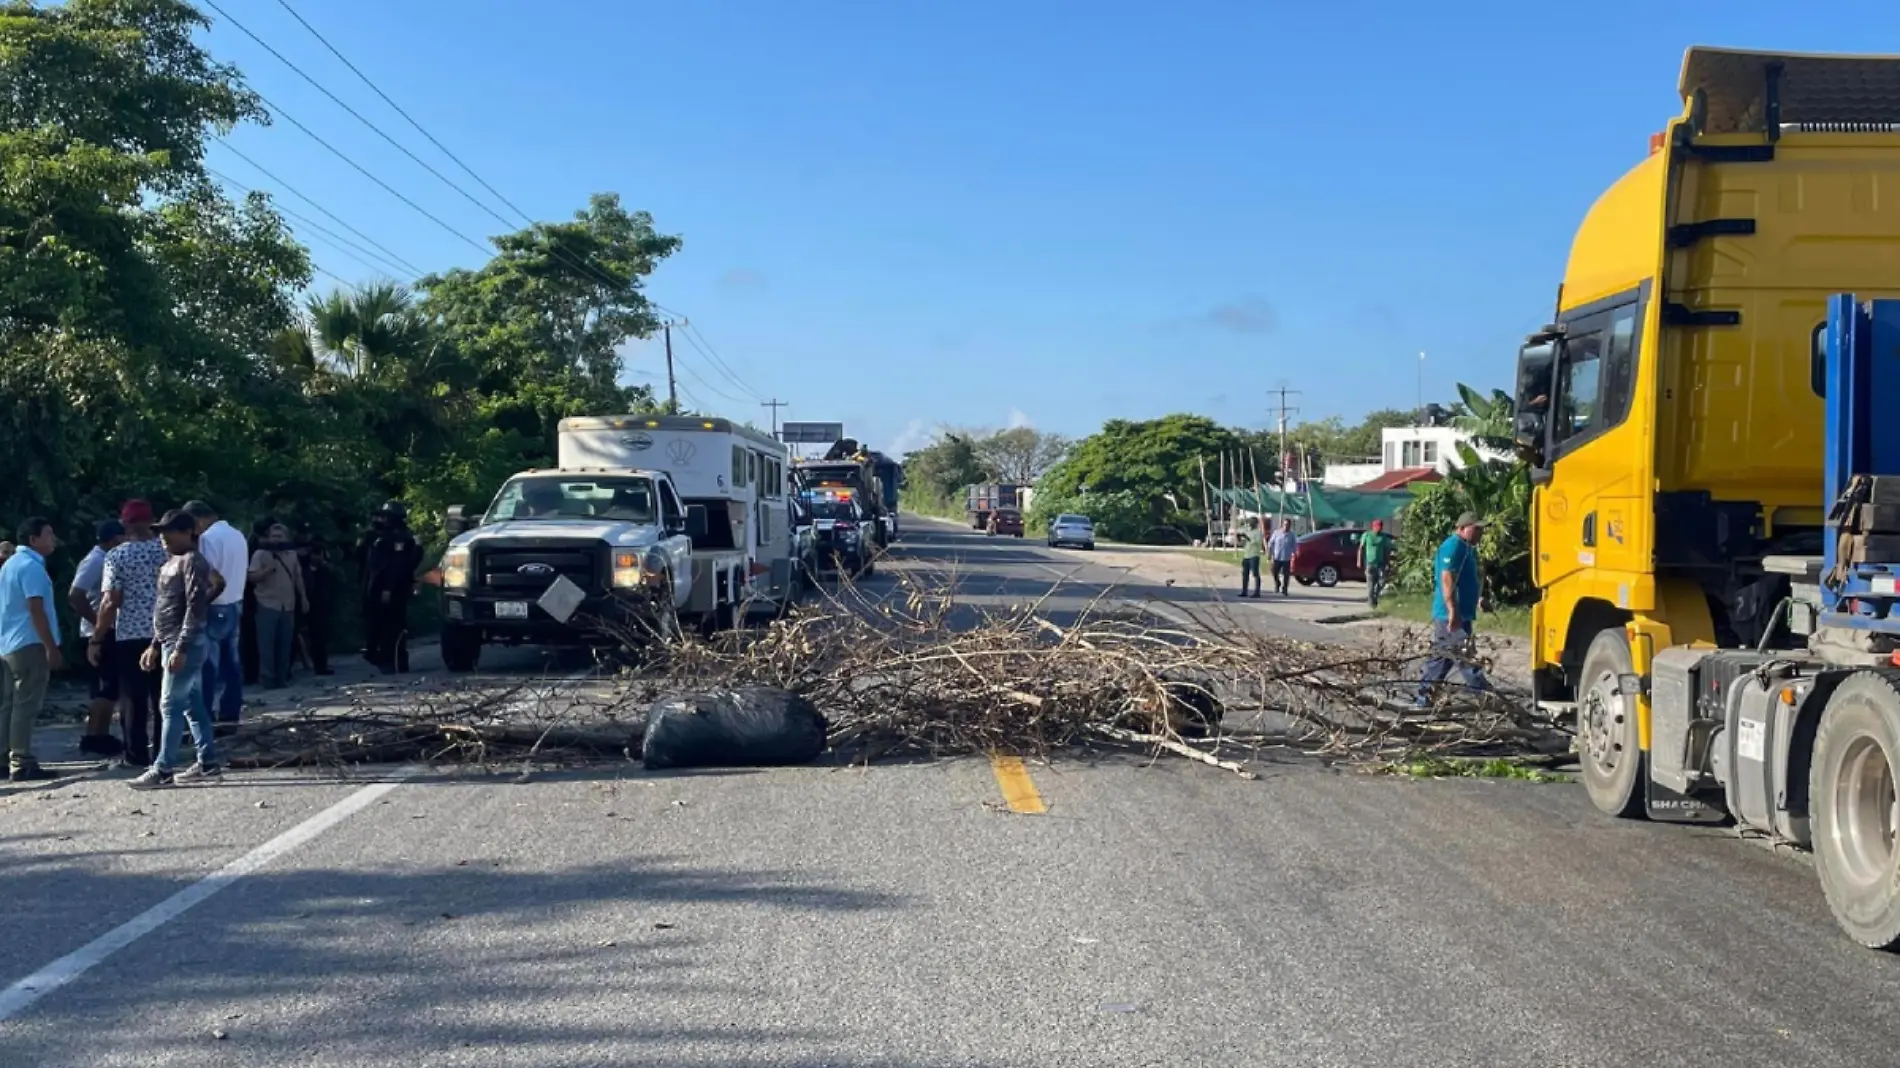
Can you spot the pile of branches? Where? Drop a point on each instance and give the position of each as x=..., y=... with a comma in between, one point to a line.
x=921, y=671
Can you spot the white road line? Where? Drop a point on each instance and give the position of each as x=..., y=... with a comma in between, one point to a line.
x=21, y=995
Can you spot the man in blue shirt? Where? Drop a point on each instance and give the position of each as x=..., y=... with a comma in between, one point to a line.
x=1455, y=594
x=29, y=645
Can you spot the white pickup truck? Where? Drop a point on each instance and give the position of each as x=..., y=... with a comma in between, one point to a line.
x=572, y=557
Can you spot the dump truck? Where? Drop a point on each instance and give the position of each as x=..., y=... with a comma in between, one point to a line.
x=1716, y=506
x=983, y=498
x=849, y=466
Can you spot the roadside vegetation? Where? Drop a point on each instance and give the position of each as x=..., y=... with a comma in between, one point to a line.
x=1431, y=766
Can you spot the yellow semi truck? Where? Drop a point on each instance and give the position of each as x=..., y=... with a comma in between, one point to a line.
x=1676, y=416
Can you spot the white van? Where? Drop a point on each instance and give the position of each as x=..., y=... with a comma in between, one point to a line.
x=735, y=473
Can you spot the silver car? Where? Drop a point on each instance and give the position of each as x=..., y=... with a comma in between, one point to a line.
x=1071, y=529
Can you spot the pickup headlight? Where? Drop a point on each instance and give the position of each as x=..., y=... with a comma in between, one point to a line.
x=455, y=569
x=633, y=569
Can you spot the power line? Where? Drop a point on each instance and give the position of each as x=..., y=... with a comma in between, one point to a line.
x=340, y=102
x=582, y=264
x=365, y=172
x=466, y=169
x=719, y=365
x=288, y=188
x=775, y=404
x=336, y=239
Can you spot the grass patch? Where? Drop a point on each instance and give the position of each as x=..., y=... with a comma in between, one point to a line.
x=1435, y=767
x=1511, y=621
x=1230, y=557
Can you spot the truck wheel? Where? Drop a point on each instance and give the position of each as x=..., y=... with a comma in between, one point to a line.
x=461, y=648
x=1854, y=808
x=1609, y=746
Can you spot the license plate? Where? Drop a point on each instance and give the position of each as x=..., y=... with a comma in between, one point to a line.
x=511, y=609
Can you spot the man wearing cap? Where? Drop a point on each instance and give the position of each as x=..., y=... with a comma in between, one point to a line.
x=1375, y=555
x=125, y=614
x=1455, y=593
x=181, y=643
x=85, y=596
x=29, y=645
x=229, y=555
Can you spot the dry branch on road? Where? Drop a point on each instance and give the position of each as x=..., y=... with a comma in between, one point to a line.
x=919, y=671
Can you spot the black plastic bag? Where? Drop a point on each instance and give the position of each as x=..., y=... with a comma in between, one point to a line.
x=749, y=727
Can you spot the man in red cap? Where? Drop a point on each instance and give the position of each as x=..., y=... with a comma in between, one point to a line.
x=125, y=614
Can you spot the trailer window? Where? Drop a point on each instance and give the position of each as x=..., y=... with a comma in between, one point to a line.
x=739, y=455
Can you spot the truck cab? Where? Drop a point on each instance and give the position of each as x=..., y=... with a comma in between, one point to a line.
x=564, y=558
x=844, y=532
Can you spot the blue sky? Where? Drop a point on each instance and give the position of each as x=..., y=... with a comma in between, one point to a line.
x=901, y=214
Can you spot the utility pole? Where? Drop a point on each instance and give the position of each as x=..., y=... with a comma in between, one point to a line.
x=775, y=404
x=1419, y=413
x=1284, y=411
x=672, y=384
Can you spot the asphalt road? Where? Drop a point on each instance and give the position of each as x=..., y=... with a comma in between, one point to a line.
x=1155, y=913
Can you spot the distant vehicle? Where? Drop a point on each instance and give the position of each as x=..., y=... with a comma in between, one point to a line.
x=872, y=478
x=1072, y=529
x=983, y=498
x=844, y=532
x=1328, y=556
x=1006, y=521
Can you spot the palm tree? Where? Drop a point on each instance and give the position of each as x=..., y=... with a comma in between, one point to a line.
x=386, y=352
x=371, y=332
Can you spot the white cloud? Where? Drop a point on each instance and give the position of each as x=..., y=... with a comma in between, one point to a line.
x=914, y=436
x=1018, y=419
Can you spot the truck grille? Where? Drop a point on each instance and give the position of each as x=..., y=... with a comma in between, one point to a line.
x=526, y=568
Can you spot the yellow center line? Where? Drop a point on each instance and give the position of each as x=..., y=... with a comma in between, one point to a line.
x=1019, y=793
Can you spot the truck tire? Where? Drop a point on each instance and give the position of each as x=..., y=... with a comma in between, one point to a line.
x=1610, y=750
x=1852, y=805
x=461, y=648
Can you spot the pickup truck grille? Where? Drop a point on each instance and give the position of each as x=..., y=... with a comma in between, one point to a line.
x=526, y=568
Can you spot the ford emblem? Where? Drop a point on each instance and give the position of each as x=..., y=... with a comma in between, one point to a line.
x=535, y=569
x=638, y=442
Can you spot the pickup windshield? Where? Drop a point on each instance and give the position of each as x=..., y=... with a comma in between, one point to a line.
x=625, y=500
x=831, y=509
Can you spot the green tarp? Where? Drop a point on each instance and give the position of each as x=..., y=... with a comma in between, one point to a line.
x=1334, y=507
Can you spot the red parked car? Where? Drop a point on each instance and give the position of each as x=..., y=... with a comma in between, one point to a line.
x=1328, y=556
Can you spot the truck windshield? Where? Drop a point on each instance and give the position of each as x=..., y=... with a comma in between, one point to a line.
x=626, y=500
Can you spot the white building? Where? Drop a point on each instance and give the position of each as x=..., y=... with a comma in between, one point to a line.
x=1409, y=454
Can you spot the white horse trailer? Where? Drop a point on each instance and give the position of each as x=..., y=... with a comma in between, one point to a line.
x=736, y=473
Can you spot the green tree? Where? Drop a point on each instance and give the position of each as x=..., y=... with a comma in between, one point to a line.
x=1497, y=490
x=1158, y=461
x=935, y=475
x=134, y=297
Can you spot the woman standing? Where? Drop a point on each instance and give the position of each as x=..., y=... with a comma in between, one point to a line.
x=276, y=576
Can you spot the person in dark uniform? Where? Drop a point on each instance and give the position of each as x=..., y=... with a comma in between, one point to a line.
x=315, y=624
x=390, y=559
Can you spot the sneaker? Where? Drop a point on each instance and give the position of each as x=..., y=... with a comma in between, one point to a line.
x=104, y=745
x=151, y=779
x=31, y=773
x=200, y=773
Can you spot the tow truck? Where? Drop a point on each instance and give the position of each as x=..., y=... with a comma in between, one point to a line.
x=1716, y=514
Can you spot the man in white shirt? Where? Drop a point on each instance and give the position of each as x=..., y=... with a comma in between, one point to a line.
x=85, y=597
x=230, y=557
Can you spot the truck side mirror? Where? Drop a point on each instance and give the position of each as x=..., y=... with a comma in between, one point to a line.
x=695, y=520
x=454, y=521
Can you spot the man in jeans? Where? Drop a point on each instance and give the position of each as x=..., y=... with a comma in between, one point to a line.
x=230, y=558
x=1455, y=596
x=1375, y=555
x=29, y=645
x=1251, y=542
x=181, y=643
x=1281, y=547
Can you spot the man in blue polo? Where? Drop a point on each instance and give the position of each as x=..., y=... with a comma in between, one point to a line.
x=1455, y=593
